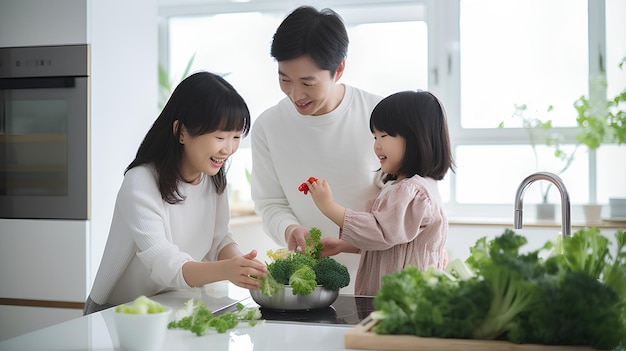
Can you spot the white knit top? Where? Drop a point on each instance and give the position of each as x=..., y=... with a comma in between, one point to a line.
x=150, y=239
x=288, y=148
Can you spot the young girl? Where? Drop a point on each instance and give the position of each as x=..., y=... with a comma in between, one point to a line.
x=405, y=224
x=170, y=223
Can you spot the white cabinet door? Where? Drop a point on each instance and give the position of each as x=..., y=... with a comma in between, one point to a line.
x=43, y=260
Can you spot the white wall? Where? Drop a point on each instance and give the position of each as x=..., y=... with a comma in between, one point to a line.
x=123, y=40
x=40, y=22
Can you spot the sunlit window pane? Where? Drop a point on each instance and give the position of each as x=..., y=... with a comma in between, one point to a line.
x=383, y=57
x=530, y=52
x=489, y=174
x=240, y=54
x=616, y=46
x=611, y=172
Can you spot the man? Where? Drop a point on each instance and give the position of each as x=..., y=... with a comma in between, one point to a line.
x=320, y=129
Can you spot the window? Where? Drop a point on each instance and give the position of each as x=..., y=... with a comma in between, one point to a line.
x=500, y=55
x=481, y=57
x=382, y=35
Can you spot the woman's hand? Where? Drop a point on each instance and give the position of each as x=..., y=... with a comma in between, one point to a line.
x=239, y=270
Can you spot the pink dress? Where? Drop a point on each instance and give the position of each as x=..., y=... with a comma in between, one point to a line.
x=405, y=224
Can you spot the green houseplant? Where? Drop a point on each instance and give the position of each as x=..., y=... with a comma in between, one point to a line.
x=539, y=132
x=598, y=121
x=601, y=121
x=167, y=83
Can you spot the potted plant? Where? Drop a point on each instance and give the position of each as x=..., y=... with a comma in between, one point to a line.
x=539, y=132
x=167, y=83
x=598, y=120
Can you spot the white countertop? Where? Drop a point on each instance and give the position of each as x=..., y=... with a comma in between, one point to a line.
x=97, y=331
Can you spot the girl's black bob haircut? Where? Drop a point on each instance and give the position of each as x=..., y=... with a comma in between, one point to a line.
x=419, y=117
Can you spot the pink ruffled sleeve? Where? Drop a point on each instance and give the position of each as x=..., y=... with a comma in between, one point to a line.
x=396, y=217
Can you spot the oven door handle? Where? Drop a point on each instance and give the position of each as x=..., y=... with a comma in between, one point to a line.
x=37, y=83
x=2, y=115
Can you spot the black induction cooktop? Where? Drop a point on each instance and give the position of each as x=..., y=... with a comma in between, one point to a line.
x=347, y=309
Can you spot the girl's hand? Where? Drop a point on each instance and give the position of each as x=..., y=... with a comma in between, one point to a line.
x=323, y=198
x=334, y=246
x=239, y=270
x=321, y=194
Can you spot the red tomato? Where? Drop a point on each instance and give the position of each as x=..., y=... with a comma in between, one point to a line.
x=304, y=187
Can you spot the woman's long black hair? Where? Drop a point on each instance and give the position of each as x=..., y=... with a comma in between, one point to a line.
x=203, y=103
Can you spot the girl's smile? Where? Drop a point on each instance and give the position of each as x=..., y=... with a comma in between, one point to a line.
x=390, y=151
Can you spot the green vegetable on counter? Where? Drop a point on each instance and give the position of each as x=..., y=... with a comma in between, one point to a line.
x=196, y=318
x=576, y=296
x=141, y=305
x=304, y=270
x=429, y=303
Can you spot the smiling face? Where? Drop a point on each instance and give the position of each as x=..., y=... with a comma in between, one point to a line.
x=390, y=151
x=313, y=91
x=207, y=152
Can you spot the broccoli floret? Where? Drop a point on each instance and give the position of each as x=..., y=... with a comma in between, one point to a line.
x=331, y=274
x=280, y=270
x=302, y=281
x=297, y=260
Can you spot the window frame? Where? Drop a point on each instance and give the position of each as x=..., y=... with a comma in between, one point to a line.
x=444, y=80
x=443, y=21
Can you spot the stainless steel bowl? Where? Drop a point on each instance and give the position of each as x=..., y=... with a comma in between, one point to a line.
x=285, y=300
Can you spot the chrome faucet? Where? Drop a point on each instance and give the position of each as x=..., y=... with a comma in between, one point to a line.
x=566, y=220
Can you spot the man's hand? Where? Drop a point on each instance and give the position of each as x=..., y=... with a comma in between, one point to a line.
x=295, y=236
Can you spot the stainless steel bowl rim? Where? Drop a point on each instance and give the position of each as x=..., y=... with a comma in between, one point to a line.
x=285, y=300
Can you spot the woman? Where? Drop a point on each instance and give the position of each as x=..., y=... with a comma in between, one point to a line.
x=170, y=224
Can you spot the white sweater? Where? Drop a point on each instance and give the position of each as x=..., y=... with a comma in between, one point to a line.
x=288, y=148
x=150, y=239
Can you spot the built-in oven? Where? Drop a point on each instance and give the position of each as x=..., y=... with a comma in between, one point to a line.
x=44, y=132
